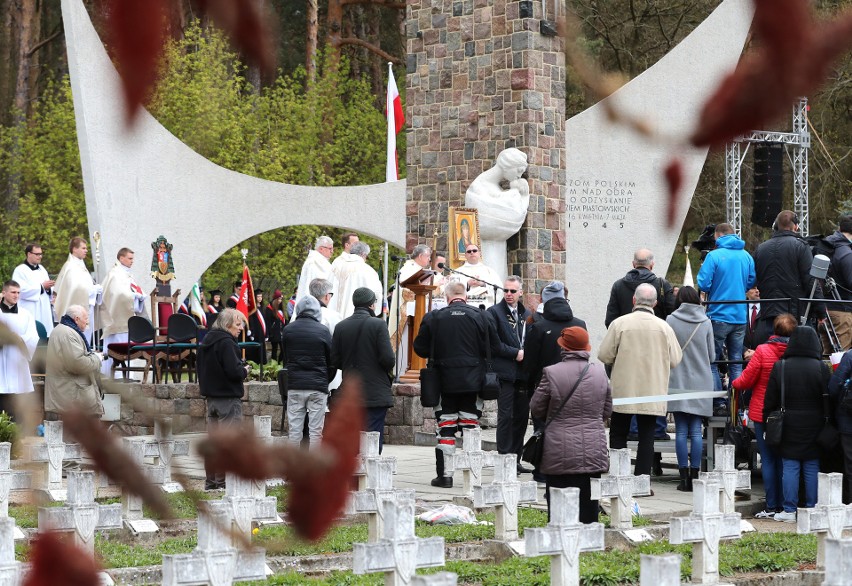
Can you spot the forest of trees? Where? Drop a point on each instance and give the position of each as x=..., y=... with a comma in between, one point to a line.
x=329, y=52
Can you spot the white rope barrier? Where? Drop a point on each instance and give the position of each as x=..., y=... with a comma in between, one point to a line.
x=670, y=398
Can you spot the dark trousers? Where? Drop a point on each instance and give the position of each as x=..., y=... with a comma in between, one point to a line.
x=618, y=428
x=513, y=414
x=456, y=411
x=846, y=443
x=588, y=507
x=276, y=351
x=221, y=412
x=376, y=422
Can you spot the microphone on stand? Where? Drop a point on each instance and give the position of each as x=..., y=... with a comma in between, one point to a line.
x=397, y=258
x=443, y=266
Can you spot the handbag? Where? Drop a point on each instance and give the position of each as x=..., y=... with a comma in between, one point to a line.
x=430, y=376
x=828, y=438
x=282, y=386
x=491, y=384
x=774, y=422
x=534, y=447
x=737, y=434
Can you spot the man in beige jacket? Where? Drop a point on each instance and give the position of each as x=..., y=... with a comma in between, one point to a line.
x=72, y=368
x=642, y=349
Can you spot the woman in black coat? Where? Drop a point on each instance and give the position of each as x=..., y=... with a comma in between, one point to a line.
x=806, y=379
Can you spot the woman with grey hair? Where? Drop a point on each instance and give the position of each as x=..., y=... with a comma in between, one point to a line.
x=221, y=372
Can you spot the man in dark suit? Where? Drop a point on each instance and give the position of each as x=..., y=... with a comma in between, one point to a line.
x=513, y=409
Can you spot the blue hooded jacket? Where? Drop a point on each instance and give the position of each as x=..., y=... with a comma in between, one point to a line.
x=727, y=273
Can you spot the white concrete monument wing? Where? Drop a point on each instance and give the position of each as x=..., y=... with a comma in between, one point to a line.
x=659, y=570
x=505, y=493
x=131, y=176
x=704, y=528
x=726, y=475
x=616, y=195
x=564, y=537
x=82, y=514
x=838, y=567
x=829, y=517
x=619, y=487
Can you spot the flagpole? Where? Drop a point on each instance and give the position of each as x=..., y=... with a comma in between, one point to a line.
x=385, y=277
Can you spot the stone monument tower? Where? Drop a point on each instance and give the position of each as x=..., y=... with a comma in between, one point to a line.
x=483, y=76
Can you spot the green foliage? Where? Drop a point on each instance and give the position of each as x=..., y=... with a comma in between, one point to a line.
x=115, y=554
x=266, y=372
x=8, y=431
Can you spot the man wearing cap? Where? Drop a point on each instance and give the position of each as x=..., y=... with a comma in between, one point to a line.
x=307, y=349
x=641, y=349
x=274, y=316
x=453, y=338
x=509, y=317
x=361, y=346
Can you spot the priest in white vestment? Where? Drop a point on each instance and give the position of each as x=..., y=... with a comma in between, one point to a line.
x=400, y=309
x=123, y=298
x=317, y=266
x=75, y=286
x=479, y=279
x=35, y=287
x=352, y=274
x=346, y=241
x=14, y=363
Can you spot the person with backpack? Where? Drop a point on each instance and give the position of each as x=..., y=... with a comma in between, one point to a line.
x=839, y=249
x=840, y=394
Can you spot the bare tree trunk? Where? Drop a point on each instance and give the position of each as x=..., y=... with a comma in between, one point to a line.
x=312, y=41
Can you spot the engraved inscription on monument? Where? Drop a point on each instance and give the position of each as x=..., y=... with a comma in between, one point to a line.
x=599, y=203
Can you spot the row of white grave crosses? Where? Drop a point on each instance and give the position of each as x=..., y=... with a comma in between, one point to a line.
x=619, y=487
x=829, y=517
x=375, y=484
x=727, y=477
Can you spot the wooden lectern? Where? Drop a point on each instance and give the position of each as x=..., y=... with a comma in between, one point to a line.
x=420, y=290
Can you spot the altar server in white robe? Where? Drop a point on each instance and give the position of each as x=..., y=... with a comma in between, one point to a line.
x=75, y=286
x=35, y=286
x=123, y=298
x=346, y=241
x=354, y=273
x=14, y=364
x=317, y=266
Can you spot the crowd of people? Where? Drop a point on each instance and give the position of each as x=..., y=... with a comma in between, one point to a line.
x=661, y=342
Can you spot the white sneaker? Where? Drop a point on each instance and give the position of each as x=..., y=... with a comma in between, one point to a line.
x=786, y=517
x=765, y=514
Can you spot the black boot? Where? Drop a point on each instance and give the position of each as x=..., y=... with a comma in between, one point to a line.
x=693, y=475
x=684, y=484
x=441, y=480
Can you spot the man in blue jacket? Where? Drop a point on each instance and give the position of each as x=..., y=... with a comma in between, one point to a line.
x=726, y=274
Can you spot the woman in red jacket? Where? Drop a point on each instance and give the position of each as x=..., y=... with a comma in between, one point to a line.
x=755, y=377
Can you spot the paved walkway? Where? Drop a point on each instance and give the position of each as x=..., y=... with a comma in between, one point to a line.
x=416, y=468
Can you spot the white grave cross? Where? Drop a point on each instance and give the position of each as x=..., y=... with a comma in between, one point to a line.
x=399, y=553
x=619, y=487
x=564, y=537
x=838, y=566
x=263, y=431
x=379, y=481
x=370, y=451
x=730, y=479
x=704, y=528
x=82, y=514
x=470, y=460
x=10, y=480
x=659, y=570
x=215, y=561
x=131, y=504
x=829, y=517
x=53, y=451
x=11, y=570
x=504, y=494
x=246, y=506
x=163, y=448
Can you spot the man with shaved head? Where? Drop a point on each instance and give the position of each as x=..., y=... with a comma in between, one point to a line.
x=621, y=295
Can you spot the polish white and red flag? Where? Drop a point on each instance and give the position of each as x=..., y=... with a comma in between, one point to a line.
x=396, y=120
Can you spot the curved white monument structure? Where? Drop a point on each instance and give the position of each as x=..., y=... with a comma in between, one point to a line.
x=616, y=195
x=142, y=182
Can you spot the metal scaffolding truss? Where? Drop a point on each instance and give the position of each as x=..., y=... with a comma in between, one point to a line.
x=799, y=141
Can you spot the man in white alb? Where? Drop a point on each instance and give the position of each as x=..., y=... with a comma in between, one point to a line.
x=75, y=286
x=35, y=286
x=352, y=274
x=123, y=298
x=14, y=365
x=479, y=279
x=346, y=241
x=317, y=266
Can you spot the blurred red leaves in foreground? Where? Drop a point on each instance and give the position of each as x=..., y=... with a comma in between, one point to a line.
x=55, y=560
x=137, y=31
x=319, y=479
x=674, y=181
x=794, y=60
x=317, y=498
x=111, y=459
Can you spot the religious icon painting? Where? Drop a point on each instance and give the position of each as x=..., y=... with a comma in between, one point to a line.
x=464, y=232
x=162, y=264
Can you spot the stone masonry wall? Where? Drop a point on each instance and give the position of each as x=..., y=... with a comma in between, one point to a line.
x=482, y=78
